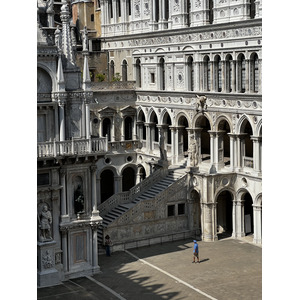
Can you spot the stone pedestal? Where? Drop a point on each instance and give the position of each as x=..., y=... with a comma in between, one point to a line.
x=47, y=274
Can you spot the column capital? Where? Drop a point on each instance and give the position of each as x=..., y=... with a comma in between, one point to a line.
x=255, y=138
x=93, y=168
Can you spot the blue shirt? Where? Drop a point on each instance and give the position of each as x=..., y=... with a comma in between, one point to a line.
x=195, y=248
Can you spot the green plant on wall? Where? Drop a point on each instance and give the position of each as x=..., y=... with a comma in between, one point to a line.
x=116, y=77
x=100, y=77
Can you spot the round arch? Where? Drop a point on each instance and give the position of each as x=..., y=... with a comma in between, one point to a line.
x=224, y=199
x=107, y=182
x=50, y=73
x=128, y=177
x=178, y=116
x=241, y=124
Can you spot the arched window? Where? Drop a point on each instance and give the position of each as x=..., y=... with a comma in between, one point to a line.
x=128, y=128
x=188, y=12
x=110, y=9
x=138, y=73
x=106, y=127
x=254, y=73
x=124, y=70
x=128, y=6
x=190, y=73
x=162, y=73
x=211, y=11
x=118, y=8
x=252, y=9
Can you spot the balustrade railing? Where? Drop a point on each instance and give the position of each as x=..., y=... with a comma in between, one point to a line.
x=122, y=146
x=141, y=206
x=113, y=85
x=71, y=147
x=248, y=162
x=129, y=196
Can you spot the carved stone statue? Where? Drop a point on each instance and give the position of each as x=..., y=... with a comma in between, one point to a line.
x=201, y=103
x=84, y=37
x=58, y=41
x=49, y=6
x=78, y=200
x=45, y=221
x=193, y=152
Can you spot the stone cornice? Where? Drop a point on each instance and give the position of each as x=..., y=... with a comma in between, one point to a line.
x=187, y=31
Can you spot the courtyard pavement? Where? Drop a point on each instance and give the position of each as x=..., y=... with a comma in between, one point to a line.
x=229, y=269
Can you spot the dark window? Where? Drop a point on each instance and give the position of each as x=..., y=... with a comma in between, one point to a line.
x=43, y=179
x=171, y=210
x=181, y=209
x=152, y=78
x=92, y=17
x=96, y=45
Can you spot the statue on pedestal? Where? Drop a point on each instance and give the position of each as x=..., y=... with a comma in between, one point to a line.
x=163, y=154
x=193, y=152
x=45, y=221
x=84, y=37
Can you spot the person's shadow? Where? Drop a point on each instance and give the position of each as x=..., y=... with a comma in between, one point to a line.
x=203, y=260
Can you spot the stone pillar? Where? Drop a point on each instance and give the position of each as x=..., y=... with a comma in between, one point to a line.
x=118, y=184
x=247, y=77
x=95, y=212
x=134, y=133
x=233, y=77
x=61, y=108
x=259, y=76
x=239, y=152
x=176, y=144
x=63, y=202
x=123, y=129
x=173, y=145
x=257, y=213
x=256, y=153
x=87, y=118
x=234, y=208
x=240, y=230
x=112, y=130
x=148, y=137
x=208, y=235
x=64, y=234
x=212, y=147
x=212, y=73
x=201, y=76
x=233, y=151
x=223, y=63
x=197, y=132
x=56, y=123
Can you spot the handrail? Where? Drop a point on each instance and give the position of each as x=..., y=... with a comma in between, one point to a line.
x=71, y=147
x=129, y=196
x=145, y=204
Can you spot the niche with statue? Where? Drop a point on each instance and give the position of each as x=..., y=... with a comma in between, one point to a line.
x=78, y=196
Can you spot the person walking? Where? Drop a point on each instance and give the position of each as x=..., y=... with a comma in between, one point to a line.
x=196, y=252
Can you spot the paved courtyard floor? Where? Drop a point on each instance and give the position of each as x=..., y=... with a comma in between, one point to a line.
x=229, y=269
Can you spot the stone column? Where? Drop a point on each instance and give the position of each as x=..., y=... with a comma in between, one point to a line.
x=208, y=235
x=118, y=184
x=123, y=129
x=176, y=144
x=212, y=73
x=212, y=147
x=233, y=77
x=95, y=246
x=201, y=76
x=95, y=212
x=56, y=123
x=257, y=212
x=63, y=202
x=239, y=153
x=112, y=130
x=256, y=153
x=87, y=118
x=223, y=63
x=148, y=137
x=237, y=77
x=197, y=132
x=234, y=208
x=134, y=133
x=259, y=76
x=173, y=129
x=233, y=151
x=247, y=69
x=64, y=234
x=240, y=231
x=61, y=108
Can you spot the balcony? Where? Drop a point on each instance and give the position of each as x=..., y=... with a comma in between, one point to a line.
x=112, y=85
x=72, y=147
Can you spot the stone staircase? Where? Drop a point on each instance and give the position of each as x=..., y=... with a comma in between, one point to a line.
x=174, y=174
